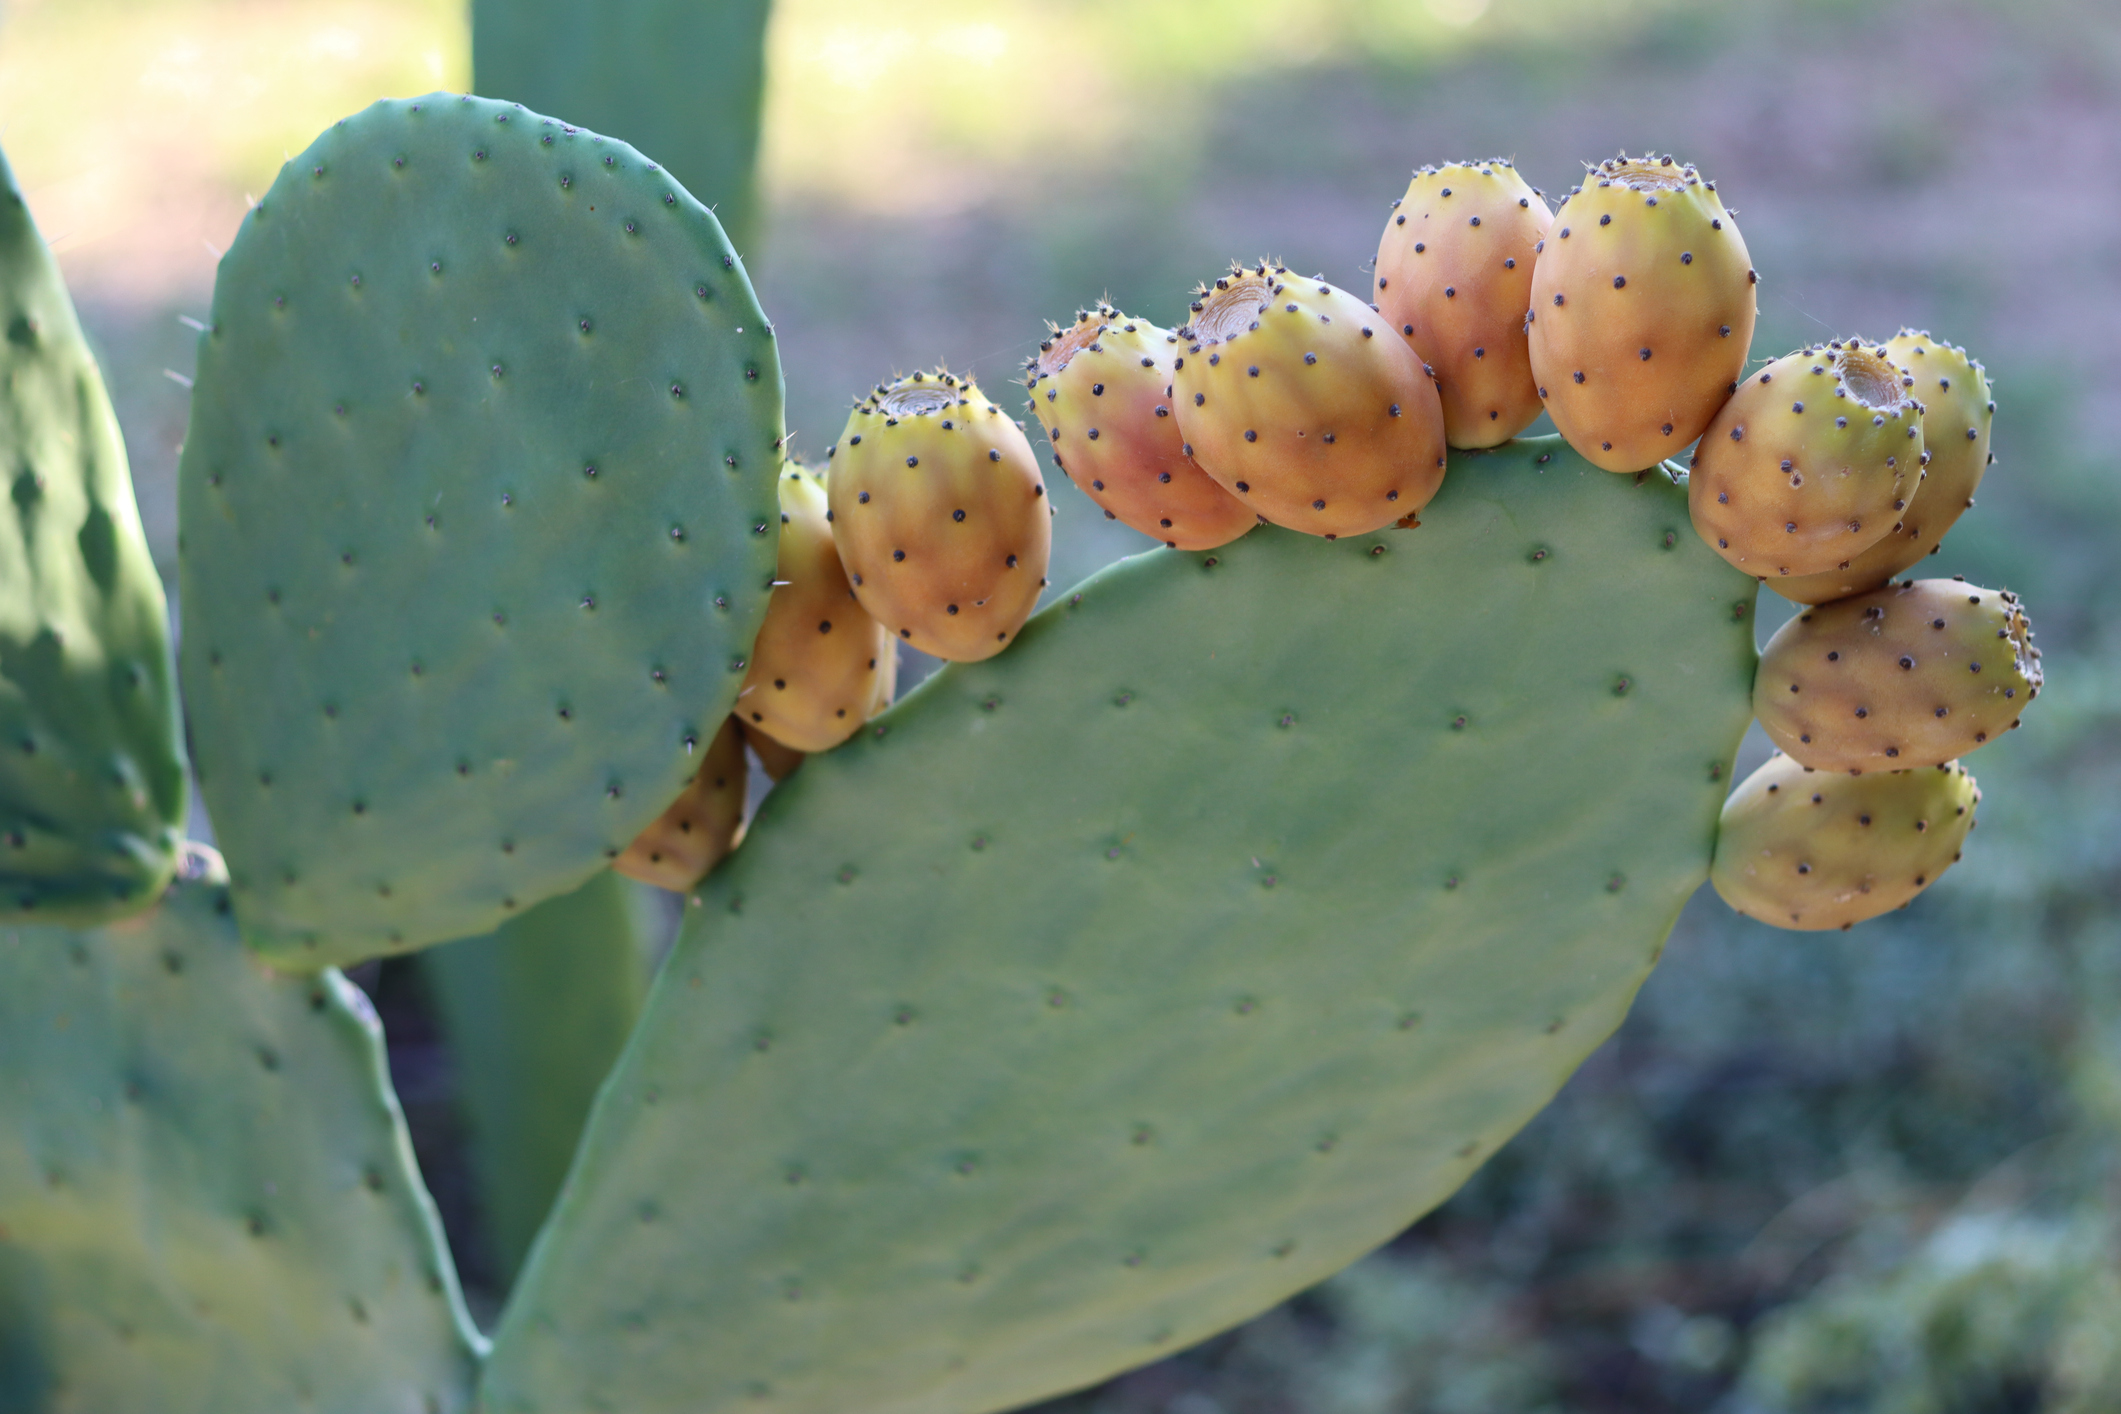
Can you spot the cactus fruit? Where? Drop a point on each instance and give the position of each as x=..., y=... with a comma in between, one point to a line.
x=535, y=1014
x=1956, y=412
x=476, y=512
x=820, y=666
x=1813, y=460
x=208, y=1201
x=1808, y=849
x=1642, y=311
x=1454, y=275
x=1915, y=674
x=1103, y=385
x=940, y=515
x=92, y=796
x=701, y=826
x=1007, y=1052
x=1288, y=396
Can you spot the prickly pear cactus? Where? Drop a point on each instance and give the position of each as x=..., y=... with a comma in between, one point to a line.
x=91, y=776
x=208, y=1203
x=477, y=516
x=1097, y=997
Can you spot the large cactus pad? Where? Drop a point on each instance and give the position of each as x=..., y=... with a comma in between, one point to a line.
x=208, y=1204
x=1105, y=993
x=477, y=510
x=91, y=778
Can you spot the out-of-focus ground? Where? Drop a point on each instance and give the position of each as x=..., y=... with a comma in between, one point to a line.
x=1863, y=1171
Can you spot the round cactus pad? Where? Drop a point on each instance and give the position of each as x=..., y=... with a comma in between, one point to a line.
x=477, y=515
x=208, y=1203
x=91, y=777
x=1101, y=995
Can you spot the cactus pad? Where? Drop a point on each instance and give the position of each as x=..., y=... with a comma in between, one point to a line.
x=1097, y=997
x=535, y=1015
x=208, y=1203
x=91, y=777
x=478, y=522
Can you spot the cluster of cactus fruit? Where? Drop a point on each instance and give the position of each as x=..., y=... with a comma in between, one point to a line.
x=1288, y=401
x=1163, y=953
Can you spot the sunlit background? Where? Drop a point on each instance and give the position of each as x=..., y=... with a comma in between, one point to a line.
x=1871, y=1171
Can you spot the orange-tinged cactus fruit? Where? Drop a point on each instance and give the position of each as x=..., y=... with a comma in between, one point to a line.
x=1956, y=412
x=1102, y=390
x=819, y=657
x=1915, y=674
x=701, y=826
x=1642, y=311
x=940, y=515
x=1814, y=459
x=1454, y=276
x=1298, y=397
x=1808, y=850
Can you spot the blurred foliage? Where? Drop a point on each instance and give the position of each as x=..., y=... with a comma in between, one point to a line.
x=1812, y=1174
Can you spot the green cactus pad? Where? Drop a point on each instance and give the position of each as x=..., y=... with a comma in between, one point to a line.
x=91, y=775
x=1103, y=994
x=535, y=1015
x=680, y=78
x=208, y=1203
x=477, y=511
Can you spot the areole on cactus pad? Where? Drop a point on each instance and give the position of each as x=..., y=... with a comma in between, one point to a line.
x=1098, y=996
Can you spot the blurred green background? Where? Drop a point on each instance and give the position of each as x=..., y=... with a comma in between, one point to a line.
x=1820, y=1173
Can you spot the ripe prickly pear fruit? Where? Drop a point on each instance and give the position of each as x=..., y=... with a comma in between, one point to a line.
x=819, y=660
x=1914, y=674
x=1642, y=311
x=1956, y=412
x=701, y=826
x=1809, y=850
x=940, y=515
x=1812, y=461
x=1454, y=276
x=1297, y=396
x=1102, y=390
